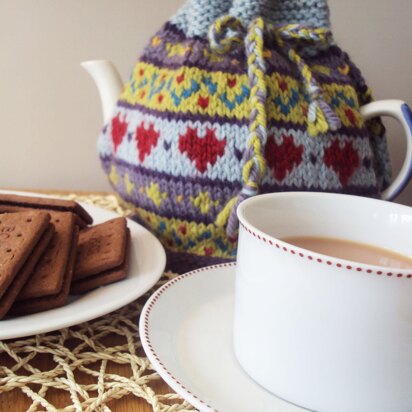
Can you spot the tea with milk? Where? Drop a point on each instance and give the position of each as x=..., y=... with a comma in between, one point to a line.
x=354, y=251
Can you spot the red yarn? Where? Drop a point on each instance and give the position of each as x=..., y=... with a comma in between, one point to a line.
x=201, y=150
x=119, y=129
x=283, y=158
x=343, y=160
x=146, y=140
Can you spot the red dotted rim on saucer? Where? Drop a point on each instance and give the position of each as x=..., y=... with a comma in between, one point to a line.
x=150, y=305
x=339, y=264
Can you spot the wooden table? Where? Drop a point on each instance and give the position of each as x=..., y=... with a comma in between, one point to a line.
x=16, y=401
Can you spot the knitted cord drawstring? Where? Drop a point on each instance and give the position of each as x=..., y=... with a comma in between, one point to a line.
x=321, y=118
x=228, y=30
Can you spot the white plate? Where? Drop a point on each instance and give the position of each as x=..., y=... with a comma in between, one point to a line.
x=186, y=331
x=147, y=262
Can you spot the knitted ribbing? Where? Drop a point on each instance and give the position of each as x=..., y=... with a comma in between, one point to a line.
x=306, y=12
x=196, y=16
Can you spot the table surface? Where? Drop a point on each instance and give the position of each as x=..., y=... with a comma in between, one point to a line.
x=16, y=401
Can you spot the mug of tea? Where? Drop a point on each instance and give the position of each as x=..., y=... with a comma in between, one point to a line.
x=323, y=301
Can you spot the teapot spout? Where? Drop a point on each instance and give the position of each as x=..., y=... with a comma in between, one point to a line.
x=108, y=82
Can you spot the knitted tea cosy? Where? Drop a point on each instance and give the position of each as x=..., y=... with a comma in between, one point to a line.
x=231, y=99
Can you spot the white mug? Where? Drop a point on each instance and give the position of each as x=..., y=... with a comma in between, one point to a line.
x=321, y=332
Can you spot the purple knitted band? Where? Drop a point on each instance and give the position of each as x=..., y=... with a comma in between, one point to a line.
x=185, y=262
x=223, y=191
x=235, y=62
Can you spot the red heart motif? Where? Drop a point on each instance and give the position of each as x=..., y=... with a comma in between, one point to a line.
x=283, y=85
x=160, y=98
x=119, y=129
x=343, y=160
x=231, y=82
x=146, y=140
x=203, y=102
x=180, y=78
x=141, y=72
x=208, y=251
x=283, y=158
x=350, y=115
x=201, y=150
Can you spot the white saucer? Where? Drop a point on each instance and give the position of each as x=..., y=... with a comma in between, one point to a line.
x=147, y=263
x=186, y=331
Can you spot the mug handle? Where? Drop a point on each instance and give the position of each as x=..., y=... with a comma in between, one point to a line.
x=400, y=111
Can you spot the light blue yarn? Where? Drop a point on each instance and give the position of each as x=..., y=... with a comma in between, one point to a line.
x=196, y=16
x=281, y=12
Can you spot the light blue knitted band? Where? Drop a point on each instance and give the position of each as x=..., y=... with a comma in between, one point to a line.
x=196, y=16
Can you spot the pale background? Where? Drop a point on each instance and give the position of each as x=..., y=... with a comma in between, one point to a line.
x=49, y=109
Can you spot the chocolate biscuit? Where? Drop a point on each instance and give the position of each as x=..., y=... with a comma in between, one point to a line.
x=8, y=298
x=104, y=278
x=48, y=275
x=46, y=203
x=101, y=247
x=40, y=304
x=19, y=233
x=12, y=209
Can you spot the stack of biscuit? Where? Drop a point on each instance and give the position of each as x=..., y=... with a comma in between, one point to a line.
x=48, y=250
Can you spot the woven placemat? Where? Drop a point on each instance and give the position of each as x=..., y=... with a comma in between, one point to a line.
x=75, y=365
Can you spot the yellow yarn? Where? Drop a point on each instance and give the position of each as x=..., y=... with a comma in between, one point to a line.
x=193, y=231
x=223, y=216
x=204, y=202
x=257, y=102
x=155, y=195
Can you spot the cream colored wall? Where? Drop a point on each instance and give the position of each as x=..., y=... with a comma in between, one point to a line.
x=49, y=109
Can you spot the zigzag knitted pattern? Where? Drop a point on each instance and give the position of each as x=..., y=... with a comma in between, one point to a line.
x=181, y=138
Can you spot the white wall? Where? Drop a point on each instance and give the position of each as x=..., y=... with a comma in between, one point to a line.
x=49, y=109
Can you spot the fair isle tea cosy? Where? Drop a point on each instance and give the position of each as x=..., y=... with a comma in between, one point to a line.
x=232, y=98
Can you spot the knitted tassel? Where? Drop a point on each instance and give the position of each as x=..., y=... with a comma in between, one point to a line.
x=255, y=164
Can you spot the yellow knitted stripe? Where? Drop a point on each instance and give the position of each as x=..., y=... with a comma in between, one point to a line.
x=185, y=236
x=197, y=91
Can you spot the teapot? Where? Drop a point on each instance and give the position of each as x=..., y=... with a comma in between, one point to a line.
x=232, y=98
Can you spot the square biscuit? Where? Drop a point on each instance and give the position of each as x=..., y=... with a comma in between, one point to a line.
x=106, y=277
x=101, y=247
x=12, y=209
x=19, y=233
x=40, y=304
x=32, y=202
x=9, y=297
x=48, y=275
